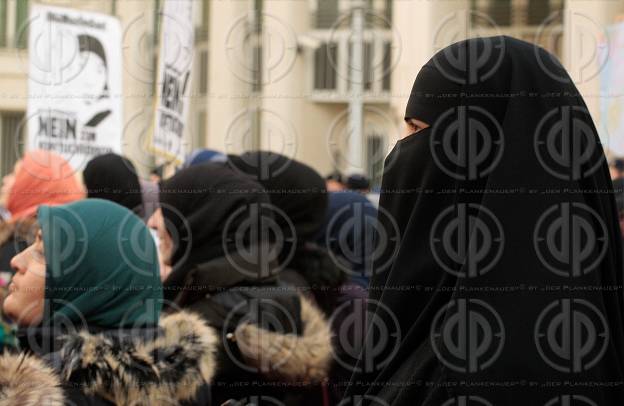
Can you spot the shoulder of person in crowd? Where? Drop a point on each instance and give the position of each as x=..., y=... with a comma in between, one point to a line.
x=172, y=363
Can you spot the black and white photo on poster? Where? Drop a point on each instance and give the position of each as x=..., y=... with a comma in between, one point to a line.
x=75, y=83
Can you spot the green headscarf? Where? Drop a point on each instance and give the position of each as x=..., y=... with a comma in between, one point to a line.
x=101, y=266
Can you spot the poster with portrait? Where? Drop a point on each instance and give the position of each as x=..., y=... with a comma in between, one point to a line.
x=75, y=83
x=173, y=87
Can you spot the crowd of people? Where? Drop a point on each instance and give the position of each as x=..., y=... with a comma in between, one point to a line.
x=226, y=283
x=214, y=285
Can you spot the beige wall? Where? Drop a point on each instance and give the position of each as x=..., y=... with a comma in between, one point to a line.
x=292, y=122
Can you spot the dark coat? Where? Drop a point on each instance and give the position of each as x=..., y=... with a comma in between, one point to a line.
x=172, y=364
x=274, y=342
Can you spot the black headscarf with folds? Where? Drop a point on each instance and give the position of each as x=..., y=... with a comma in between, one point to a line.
x=294, y=188
x=503, y=285
x=113, y=177
x=212, y=212
x=299, y=200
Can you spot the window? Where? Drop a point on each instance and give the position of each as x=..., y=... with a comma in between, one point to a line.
x=201, y=32
x=333, y=62
x=375, y=144
x=521, y=19
x=326, y=13
x=388, y=14
x=377, y=68
x=325, y=58
x=21, y=24
x=11, y=139
x=538, y=11
x=500, y=12
x=3, y=23
x=203, y=72
x=387, y=61
x=506, y=13
x=14, y=35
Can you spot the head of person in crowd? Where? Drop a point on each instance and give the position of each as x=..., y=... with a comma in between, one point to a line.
x=39, y=177
x=202, y=156
x=218, y=234
x=358, y=182
x=299, y=198
x=348, y=233
x=616, y=168
x=518, y=210
x=88, y=296
x=203, y=211
x=294, y=188
x=114, y=177
x=334, y=182
x=71, y=271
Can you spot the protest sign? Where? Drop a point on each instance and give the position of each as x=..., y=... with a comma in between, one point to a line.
x=75, y=83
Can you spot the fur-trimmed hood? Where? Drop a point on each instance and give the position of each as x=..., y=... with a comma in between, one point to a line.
x=304, y=358
x=27, y=380
x=168, y=368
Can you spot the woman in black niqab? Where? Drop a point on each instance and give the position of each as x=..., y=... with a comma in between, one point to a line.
x=505, y=284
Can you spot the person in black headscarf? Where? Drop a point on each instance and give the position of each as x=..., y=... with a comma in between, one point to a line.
x=348, y=232
x=300, y=206
x=299, y=197
x=505, y=284
x=113, y=177
x=216, y=233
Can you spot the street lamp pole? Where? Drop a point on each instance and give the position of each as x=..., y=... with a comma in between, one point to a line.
x=355, y=161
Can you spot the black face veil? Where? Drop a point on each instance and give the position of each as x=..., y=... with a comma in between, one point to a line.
x=503, y=285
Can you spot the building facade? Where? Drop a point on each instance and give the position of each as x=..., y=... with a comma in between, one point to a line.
x=277, y=74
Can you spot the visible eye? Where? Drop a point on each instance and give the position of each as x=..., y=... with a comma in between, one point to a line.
x=415, y=126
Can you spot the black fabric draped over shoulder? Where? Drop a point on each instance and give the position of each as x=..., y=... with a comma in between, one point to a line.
x=503, y=285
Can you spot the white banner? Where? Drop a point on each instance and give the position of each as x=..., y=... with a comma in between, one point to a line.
x=75, y=83
x=174, y=80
